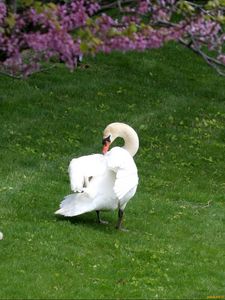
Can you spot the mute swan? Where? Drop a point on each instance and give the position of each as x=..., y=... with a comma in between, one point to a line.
x=104, y=182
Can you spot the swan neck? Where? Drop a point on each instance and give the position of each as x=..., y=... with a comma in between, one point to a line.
x=127, y=133
x=131, y=141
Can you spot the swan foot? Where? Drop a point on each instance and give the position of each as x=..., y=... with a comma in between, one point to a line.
x=99, y=220
x=122, y=229
x=119, y=222
x=103, y=222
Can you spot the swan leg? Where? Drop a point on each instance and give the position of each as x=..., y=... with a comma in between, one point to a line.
x=120, y=219
x=99, y=219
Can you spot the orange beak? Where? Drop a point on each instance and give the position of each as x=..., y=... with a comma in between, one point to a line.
x=106, y=147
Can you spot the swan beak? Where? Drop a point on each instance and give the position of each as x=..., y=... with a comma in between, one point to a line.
x=105, y=147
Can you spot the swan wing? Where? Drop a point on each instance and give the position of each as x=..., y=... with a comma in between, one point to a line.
x=125, y=181
x=75, y=204
x=121, y=162
x=81, y=169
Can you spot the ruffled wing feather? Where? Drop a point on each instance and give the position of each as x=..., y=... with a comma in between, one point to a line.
x=83, y=168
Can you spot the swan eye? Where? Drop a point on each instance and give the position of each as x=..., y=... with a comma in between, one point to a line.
x=106, y=140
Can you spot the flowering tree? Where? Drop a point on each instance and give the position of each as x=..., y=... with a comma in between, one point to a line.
x=37, y=32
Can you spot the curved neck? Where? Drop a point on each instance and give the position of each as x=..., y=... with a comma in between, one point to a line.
x=131, y=140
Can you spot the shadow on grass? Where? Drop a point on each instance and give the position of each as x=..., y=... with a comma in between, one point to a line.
x=90, y=220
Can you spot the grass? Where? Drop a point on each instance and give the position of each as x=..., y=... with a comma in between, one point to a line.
x=175, y=246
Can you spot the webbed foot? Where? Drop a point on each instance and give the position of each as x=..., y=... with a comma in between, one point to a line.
x=119, y=222
x=122, y=229
x=99, y=220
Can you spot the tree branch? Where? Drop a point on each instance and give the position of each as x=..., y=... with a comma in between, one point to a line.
x=41, y=70
x=211, y=61
x=10, y=75
x=192, y=45
x=118, y=3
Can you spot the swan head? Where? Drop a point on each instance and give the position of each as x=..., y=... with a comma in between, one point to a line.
x=115, y=130
x=106, y=144
x=109, y=136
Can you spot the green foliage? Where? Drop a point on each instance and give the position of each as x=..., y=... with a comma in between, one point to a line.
x=10, y=20
x=185, y=6
x=174, y=248
x=214, y=4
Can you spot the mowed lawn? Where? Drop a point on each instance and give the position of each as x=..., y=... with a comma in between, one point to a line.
x=176, y=221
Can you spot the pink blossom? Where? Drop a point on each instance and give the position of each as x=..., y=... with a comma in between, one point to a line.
x=221, y=58
x=61, y=31
x=2, y=12
x=143, y=7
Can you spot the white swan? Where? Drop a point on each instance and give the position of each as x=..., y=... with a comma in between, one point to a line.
x=104, y=182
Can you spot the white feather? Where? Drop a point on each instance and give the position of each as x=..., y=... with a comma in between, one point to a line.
x=80, y=169
x=104, y=182
x=112, y=181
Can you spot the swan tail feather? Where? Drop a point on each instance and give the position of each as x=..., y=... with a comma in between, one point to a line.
x=75, y=204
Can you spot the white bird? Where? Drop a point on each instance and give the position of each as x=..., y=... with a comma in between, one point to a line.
x=104, y=181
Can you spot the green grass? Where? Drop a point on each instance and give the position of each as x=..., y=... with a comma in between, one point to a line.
x=175, y=246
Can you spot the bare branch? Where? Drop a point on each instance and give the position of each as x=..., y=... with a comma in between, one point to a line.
x=10, y=75
x=41, y=70
x=211, y=61
x=118, y=3
x=192, y=44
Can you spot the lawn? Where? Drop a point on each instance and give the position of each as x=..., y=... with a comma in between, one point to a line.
x=176, y=221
